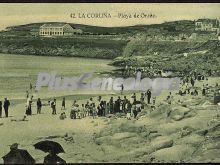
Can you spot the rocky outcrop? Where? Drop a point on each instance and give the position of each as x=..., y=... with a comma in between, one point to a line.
x=161, y=142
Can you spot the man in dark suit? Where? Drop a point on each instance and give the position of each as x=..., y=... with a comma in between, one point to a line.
x=39, y=105
x=6, y=106
x=53, y=106
x=148, y=96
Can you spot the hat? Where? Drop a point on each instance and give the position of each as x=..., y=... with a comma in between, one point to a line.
x=14, y=146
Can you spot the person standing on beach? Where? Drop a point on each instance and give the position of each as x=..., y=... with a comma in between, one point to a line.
x=39, y=105
x=124, y=103
x=128, y=110
x=87, y=109
x=133, y=98
x=94, y=111
x=91, y=106
x=29, y=110
x=192, y=82
x=122, y=89
x=135, y=110
x=111, y=105
x=29, y=100
x=27, y=94
x=83, y=111
x=6, y=106
x=99, y=107
x=107, y=109
x=31, y=86
x=117, y=105
x=63, y=104
x=148, y=96
x=142, y=97
x=0, y=109
x=53, y=106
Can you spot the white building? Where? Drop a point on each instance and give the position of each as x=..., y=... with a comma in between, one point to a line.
x=207, y=25
x=58, y=29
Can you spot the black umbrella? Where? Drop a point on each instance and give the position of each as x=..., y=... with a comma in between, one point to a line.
x=18, y=156
x=47, y=146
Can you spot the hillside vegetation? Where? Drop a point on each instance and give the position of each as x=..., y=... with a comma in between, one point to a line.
x=169, y=56
x=74, y=47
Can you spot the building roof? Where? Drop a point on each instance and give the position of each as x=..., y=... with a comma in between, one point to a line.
x=50, y=25
x=215, y=22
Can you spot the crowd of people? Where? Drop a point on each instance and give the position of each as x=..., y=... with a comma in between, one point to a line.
x=130, y=106
x=150, y=71
x=96, y=108
x=117, y=104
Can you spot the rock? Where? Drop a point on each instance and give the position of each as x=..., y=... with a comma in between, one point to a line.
x=123, y=135
x=96, y=124
x=177, y=117
x=175, y=153
x=144, y=112
x=162, y=110
x=110, y=116
x=138, y=152
x=107, y=149
x=212, y=121
x=106, y=120
x=189, y=128
x=202, y=132
x=209, y=155
x=184, y=104
x=102, y=140
x=178, y=113
x=194, y=101
x=120, y=114
x=206, y=103
x=161, y=142
x=69, y=139
x=180, y=110
x=214, y=130
x=190, y=114
x=149, y=134
x=185, y=133
x=194, y=140
x=144, y=134
x=130, y=127
x=213, y=144
x=154, y=135
x=147, y=159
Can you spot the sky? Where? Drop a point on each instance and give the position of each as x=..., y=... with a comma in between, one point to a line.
x=12, y=14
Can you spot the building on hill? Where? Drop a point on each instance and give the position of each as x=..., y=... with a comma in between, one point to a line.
x=34, y=32
x=58, y=29
x=207, y=25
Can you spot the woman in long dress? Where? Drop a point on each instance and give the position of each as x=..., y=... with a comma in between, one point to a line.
x=29, y=110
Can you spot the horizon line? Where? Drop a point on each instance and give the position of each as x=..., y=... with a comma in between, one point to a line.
x=107, y=26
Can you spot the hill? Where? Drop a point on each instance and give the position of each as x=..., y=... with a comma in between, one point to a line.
x=103, y=42
x=172, y=27
x=163, y=44
x=71, y=47
x=178, y=57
